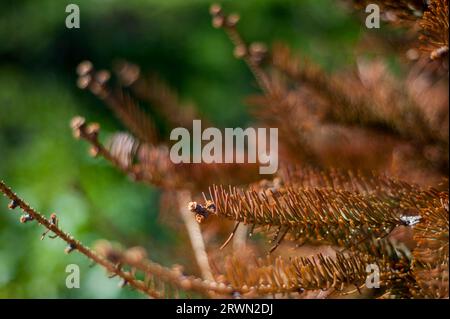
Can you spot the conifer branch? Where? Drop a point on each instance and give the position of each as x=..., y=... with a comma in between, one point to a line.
x=430, y=267
x=157, y=93
x=394, y=191
x=253, y=54
x=359, y=101
x=90, y=133
x=299, y=274
x=333, y=216
x=157, y=275
x=151, y=163
x=123, y=106
x=431, y=16
x=73, y=244
x=434, y=24
x=367, y=120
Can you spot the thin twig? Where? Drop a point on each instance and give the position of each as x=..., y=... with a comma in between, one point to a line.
x=195, y=235
x=230, y=237
x=89, y=133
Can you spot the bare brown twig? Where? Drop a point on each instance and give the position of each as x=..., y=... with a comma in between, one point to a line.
x=74, y=244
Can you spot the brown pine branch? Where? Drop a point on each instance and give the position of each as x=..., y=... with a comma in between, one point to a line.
x=158, y=275
x=274, y=107
x=157, y=93
x=336, y=274
x=434, y=24
x=367, y=183
x=123, y=106
x=74, y=244
x=272, y=277
x=300, y=274
x=361, y=102
x=430, y=267
x=430, y=18
x=151, y=164
x=253, y=54
x=90, y=132
x=333, y=216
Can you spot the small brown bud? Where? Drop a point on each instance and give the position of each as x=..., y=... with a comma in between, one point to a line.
x=103, y=247
x=202, y=212
x=199, y=218
x=93, y=129
x=178, y=269
x=258, y=48
x=412, y=54
x=210, y=206
x=97, y=89
x=240, y=51
x=13, y=204
x=215, y=9
x=186, y=284
x=84, y=68
x=102, y=76
x=53, y=219
x=438, y=53
x=258, y=51
x=135, y=255
x=93, y=151
x=192, y=206
x=218, y=22
x=71, y=247
x=26, y=218
x=106, y=249
x=84, y=81
x=77, y=124
x=128, y=72
x=232, y=20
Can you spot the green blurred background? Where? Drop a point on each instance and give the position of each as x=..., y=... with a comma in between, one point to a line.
x=38, y=97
